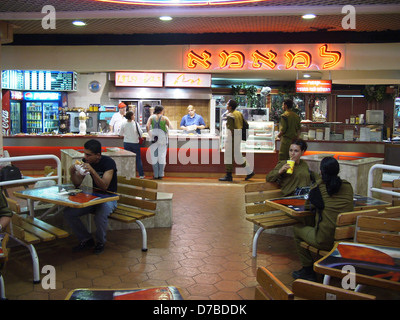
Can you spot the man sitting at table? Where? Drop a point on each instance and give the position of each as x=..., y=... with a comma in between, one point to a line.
x=103, y=172
x=301, y=176
x=329, y=197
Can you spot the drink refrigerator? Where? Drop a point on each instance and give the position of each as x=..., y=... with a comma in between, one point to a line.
x=12, y=105
x=40, y=111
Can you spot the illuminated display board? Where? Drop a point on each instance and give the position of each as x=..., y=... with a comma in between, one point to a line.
x=192, y=80
x=313, y=86
x=39, y=80
x=138, y=79
x=265, y=57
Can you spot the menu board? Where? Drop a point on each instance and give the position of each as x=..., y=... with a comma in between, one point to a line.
x=40, y=80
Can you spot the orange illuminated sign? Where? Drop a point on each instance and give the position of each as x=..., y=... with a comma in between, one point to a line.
x=313, y=86
x=139, y=79
x=264, y=57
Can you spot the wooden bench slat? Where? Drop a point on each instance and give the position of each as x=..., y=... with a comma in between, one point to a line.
x=41, y=234
x=121, y=217
x=345, y=232
x=346, y=218
x=261, y=196
x=276, y=289
x=24, y=236
x=260, y=186
x=390, y=240
x=144, y=204
x=136, y=216
x=134, y=192
x=391, y=212
x=144, y=183
x=133, y=211
x=382, y=224
x=59, y=233
x=259, y=208
x=272, y=221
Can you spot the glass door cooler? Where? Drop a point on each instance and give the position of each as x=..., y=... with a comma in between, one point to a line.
x=34, y=116
x=50, y=115
x=15, y=117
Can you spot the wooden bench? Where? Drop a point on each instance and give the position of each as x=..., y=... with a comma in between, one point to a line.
x=378, y=230
x=271, y=288
x=346, y=225
x=262, y=215
x=137, y=202
x=27, y=231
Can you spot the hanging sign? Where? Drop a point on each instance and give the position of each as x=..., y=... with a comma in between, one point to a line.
x=138, y=79
x=313, y=86
x=192, y=80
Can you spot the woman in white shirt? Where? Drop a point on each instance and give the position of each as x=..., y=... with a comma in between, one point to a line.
x=131, y=132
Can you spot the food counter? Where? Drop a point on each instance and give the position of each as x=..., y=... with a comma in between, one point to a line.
x=188, y=154
x=60, y=140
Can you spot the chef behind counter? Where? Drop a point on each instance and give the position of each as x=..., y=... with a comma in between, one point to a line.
x=192, y=122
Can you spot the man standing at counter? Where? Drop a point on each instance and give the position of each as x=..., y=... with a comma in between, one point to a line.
x=192, y=121
x=118, y=118
x=289, y=129
x=234, y=123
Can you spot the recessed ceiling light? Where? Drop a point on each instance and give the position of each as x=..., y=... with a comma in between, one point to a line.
x=309, y=16
x=166, y=18
x=79, y=23
x=306, y=75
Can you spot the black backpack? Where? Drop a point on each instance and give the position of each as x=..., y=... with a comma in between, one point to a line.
x=8, y=173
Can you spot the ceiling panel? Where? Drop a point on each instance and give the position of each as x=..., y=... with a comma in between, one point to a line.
x=262, y=16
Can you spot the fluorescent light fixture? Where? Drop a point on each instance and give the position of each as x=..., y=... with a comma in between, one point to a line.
x=78, y=23
x=306, y=75
x=166, y=18
x=309, y=16
x=350, y=96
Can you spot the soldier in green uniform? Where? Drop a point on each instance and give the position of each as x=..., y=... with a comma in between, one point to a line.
x=289, y=128
x=301, y=176
x=329, y=197
x=233, y=141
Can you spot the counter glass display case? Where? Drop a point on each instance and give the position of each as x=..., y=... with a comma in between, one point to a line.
x=338, y=131
x=261, y=137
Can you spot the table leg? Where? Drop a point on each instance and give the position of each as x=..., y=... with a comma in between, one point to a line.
x=31, y=207
x=327, y=279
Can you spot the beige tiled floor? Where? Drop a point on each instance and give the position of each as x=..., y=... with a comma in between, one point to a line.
x=207, y=251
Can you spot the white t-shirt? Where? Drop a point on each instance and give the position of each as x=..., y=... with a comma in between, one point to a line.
x=129, y=132
x=116, y=122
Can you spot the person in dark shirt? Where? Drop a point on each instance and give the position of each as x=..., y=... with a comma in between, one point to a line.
x=103, y=172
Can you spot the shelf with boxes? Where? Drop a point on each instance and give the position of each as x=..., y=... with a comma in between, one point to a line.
x=338, y=131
